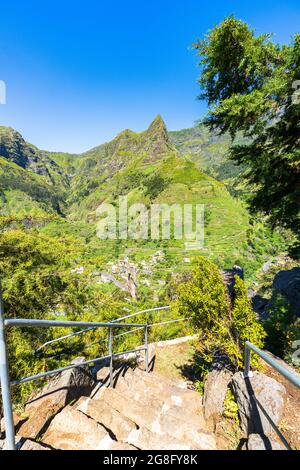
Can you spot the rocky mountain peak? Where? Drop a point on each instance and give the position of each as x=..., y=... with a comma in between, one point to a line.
x=13, y=147
x=158, y=128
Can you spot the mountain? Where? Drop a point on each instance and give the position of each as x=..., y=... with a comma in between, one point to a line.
x=30, y=181
x=151, y=167
x=208, y=150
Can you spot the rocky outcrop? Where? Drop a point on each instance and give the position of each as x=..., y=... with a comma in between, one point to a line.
x=254, y=395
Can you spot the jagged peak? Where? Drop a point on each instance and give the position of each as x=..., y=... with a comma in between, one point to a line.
x=158, y=124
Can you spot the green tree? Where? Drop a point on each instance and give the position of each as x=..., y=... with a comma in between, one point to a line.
x=38, y=281
x=249, y=84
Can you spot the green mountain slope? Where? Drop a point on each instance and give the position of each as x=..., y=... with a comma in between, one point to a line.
x=151, y=167
x=207, y=150
x=101, y=163
x=28, y=174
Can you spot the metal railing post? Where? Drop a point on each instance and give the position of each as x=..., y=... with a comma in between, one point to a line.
x=5, y=384
x=247, y=372
x=146, y=350
x=110, y=352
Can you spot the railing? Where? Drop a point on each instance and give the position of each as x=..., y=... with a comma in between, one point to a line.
x=292, y=377
x=117, y=320
x=6, y=383
x=4, y=369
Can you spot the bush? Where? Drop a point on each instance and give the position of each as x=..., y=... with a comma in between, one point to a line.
x=203, y=297
x=38, y=282
x=245, y=326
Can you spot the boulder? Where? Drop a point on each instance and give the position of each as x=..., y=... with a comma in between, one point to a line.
x=269, y=393
x=261, y=442
x=63, y=388
x=215, y=388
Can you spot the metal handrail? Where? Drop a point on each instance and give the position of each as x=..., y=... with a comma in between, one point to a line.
x=47, y=343
x=290, y=376
x=6, y=383
x=150, y=325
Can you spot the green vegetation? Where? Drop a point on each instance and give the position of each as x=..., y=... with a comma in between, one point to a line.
x=38, y=282
x=250, y=89
x=52, y=265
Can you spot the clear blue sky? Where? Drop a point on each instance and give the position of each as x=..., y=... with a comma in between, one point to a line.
x=77, y=73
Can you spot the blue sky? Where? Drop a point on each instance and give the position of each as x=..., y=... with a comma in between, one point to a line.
x=77, y=73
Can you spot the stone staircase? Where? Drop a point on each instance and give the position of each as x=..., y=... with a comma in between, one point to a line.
x=141, y=411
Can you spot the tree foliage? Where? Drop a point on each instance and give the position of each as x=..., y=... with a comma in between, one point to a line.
x=39, y=281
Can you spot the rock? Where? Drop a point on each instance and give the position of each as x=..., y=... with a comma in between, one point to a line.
x=63, y=388
x=270, y=394
x=18, y=443
x=288, y=284
x=266, y=266
x=215, y=388
x=228, y=278
x=104, y=414
x=140, y=387
x=261, y=442
x=31, y=445
x=136, y=412
x=72, y=430
x=260, y=306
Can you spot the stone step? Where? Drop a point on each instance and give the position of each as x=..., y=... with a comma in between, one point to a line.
x=159, y=379
x=157, y=418
x=72, y=430
x=119, y=425
x=139, y=384
x=182, y=408
x=142, y=415
x=147, y=440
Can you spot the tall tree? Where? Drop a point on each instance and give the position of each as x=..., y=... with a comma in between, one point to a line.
x=250, y=85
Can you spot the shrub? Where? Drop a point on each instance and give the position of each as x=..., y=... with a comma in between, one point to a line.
x=244, y=322
x=203, y=297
